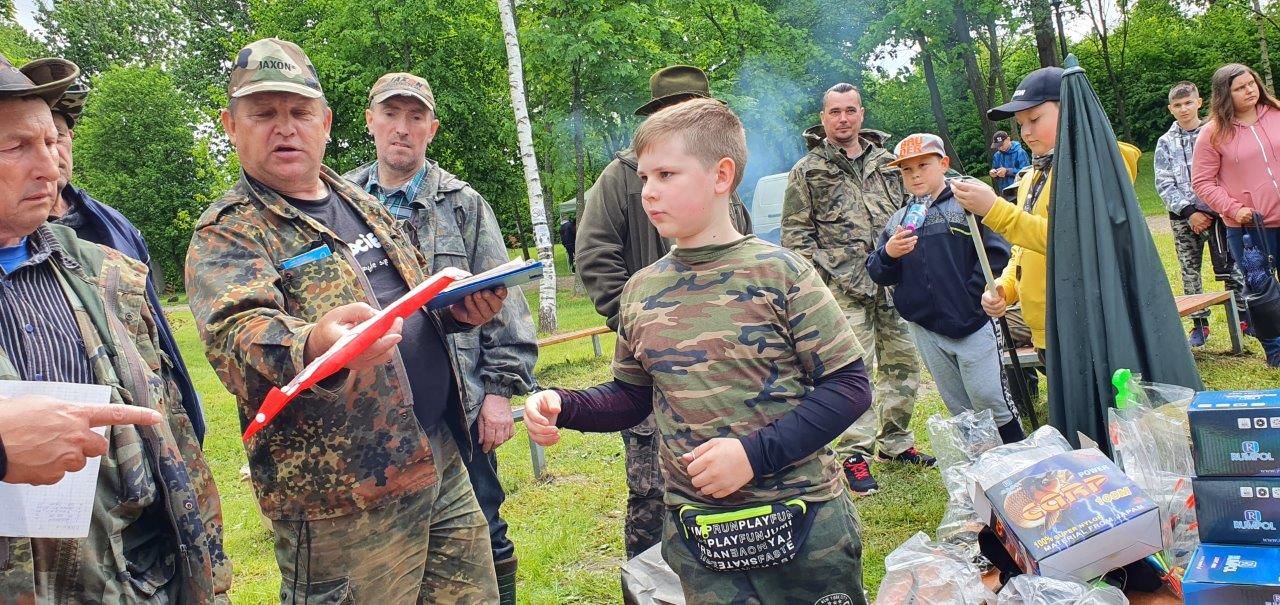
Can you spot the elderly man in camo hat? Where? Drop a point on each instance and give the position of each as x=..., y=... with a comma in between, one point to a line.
x=361, y=476
x=74, y=311
x=101, y=224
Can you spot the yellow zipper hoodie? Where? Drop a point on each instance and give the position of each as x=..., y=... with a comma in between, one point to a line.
x=1025, y=278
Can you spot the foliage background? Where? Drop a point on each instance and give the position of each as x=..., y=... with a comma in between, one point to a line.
x=587, y=66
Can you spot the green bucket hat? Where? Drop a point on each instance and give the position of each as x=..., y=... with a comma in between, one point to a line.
x=44, y=78
x=273, y=65
x=671, y=85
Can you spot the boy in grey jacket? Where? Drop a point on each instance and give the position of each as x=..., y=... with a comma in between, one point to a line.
x=1194, y=223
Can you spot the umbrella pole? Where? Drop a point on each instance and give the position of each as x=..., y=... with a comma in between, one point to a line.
x=1024, y=407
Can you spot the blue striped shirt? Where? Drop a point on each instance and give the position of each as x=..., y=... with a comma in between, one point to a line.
x=38, y=330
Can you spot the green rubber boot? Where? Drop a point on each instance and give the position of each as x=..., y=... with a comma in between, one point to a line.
x=506, y=581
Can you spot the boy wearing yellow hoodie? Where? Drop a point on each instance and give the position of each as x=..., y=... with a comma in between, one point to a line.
x=1025, y=223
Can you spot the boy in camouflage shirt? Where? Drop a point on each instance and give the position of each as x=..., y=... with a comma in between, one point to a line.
x=752, y=370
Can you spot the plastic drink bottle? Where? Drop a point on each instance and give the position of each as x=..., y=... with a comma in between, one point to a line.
x=915, y=213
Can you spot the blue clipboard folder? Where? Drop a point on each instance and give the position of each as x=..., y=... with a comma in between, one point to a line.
x=509, y=275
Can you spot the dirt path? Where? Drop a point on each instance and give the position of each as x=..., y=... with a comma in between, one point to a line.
x=1159, y=224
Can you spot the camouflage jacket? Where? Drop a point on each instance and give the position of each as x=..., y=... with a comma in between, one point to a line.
x=1173, y=172
x=453, y=226
x=835, y=208
x=146, y=467
x=615, y=238
x=351, y=443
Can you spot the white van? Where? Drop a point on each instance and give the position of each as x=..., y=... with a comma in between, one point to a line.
x=766, y=207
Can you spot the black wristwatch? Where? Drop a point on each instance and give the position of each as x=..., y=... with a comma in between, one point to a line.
x=4, y=461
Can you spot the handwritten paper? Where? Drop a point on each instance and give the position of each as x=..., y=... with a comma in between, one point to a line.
x=61, y=510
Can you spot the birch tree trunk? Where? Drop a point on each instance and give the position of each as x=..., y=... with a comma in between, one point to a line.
x=1262, y=46
x=524, y=132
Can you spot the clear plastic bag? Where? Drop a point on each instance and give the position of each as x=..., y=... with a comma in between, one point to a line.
x=1151, y=438
x=648, y=580
x=1027, y=589
x=922, y=572
x=960, y=439
x=960, y=523
x=1000, y=462
x=957, y=442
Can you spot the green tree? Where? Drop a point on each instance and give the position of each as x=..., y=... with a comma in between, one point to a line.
x=192, y=39
x=96, y=34
x=136, y=149
x=15, y=43
x=587, y=59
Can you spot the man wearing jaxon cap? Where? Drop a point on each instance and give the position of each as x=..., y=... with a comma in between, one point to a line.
x=74, y=311
x=615, y=240
x=361, y=475
x=453, y=226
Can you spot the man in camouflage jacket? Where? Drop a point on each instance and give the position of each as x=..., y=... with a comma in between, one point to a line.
x=155, y=534
x=362, y=475
x=453, y=226
x=839, y=197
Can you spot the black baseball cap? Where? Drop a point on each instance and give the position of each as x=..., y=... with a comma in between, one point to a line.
x=1038, y=87
x=999, y=138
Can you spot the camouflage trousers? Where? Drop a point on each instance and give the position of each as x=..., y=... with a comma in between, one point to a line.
x=1190, y=247
x=428, y=547
x=891, y=352
x=828, y=570
x=645, y=510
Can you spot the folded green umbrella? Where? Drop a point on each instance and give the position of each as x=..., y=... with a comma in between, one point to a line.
x=1109, y=302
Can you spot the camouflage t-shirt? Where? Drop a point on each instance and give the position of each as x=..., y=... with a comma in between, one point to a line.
x=731, y=337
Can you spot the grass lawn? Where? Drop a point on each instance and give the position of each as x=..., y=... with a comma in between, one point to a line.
x=1145, y=186
x=567, y=527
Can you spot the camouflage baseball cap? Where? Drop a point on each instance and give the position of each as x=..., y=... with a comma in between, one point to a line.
x=72, y=103
x=44, y=78
x=273, y=65
x=402, y=85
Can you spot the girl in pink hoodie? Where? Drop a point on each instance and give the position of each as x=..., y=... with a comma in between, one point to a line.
x=1235, y=167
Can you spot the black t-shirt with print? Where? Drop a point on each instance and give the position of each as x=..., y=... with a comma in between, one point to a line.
x=425, y=357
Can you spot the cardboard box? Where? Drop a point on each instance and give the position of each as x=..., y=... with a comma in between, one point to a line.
x=1219, y=574
x=1074, y=516
x=1009, y=459
x=1238, y=510
x=1235, y=433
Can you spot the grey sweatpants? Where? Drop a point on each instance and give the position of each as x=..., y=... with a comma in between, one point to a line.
x=966, y=370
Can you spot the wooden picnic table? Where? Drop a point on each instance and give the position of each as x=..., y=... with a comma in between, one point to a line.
x=1187, y=305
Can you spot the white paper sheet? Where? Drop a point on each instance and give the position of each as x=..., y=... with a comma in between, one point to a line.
x=61, y=510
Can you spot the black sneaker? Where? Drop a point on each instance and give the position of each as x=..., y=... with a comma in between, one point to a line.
x=858, y=472
x=911, y=456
